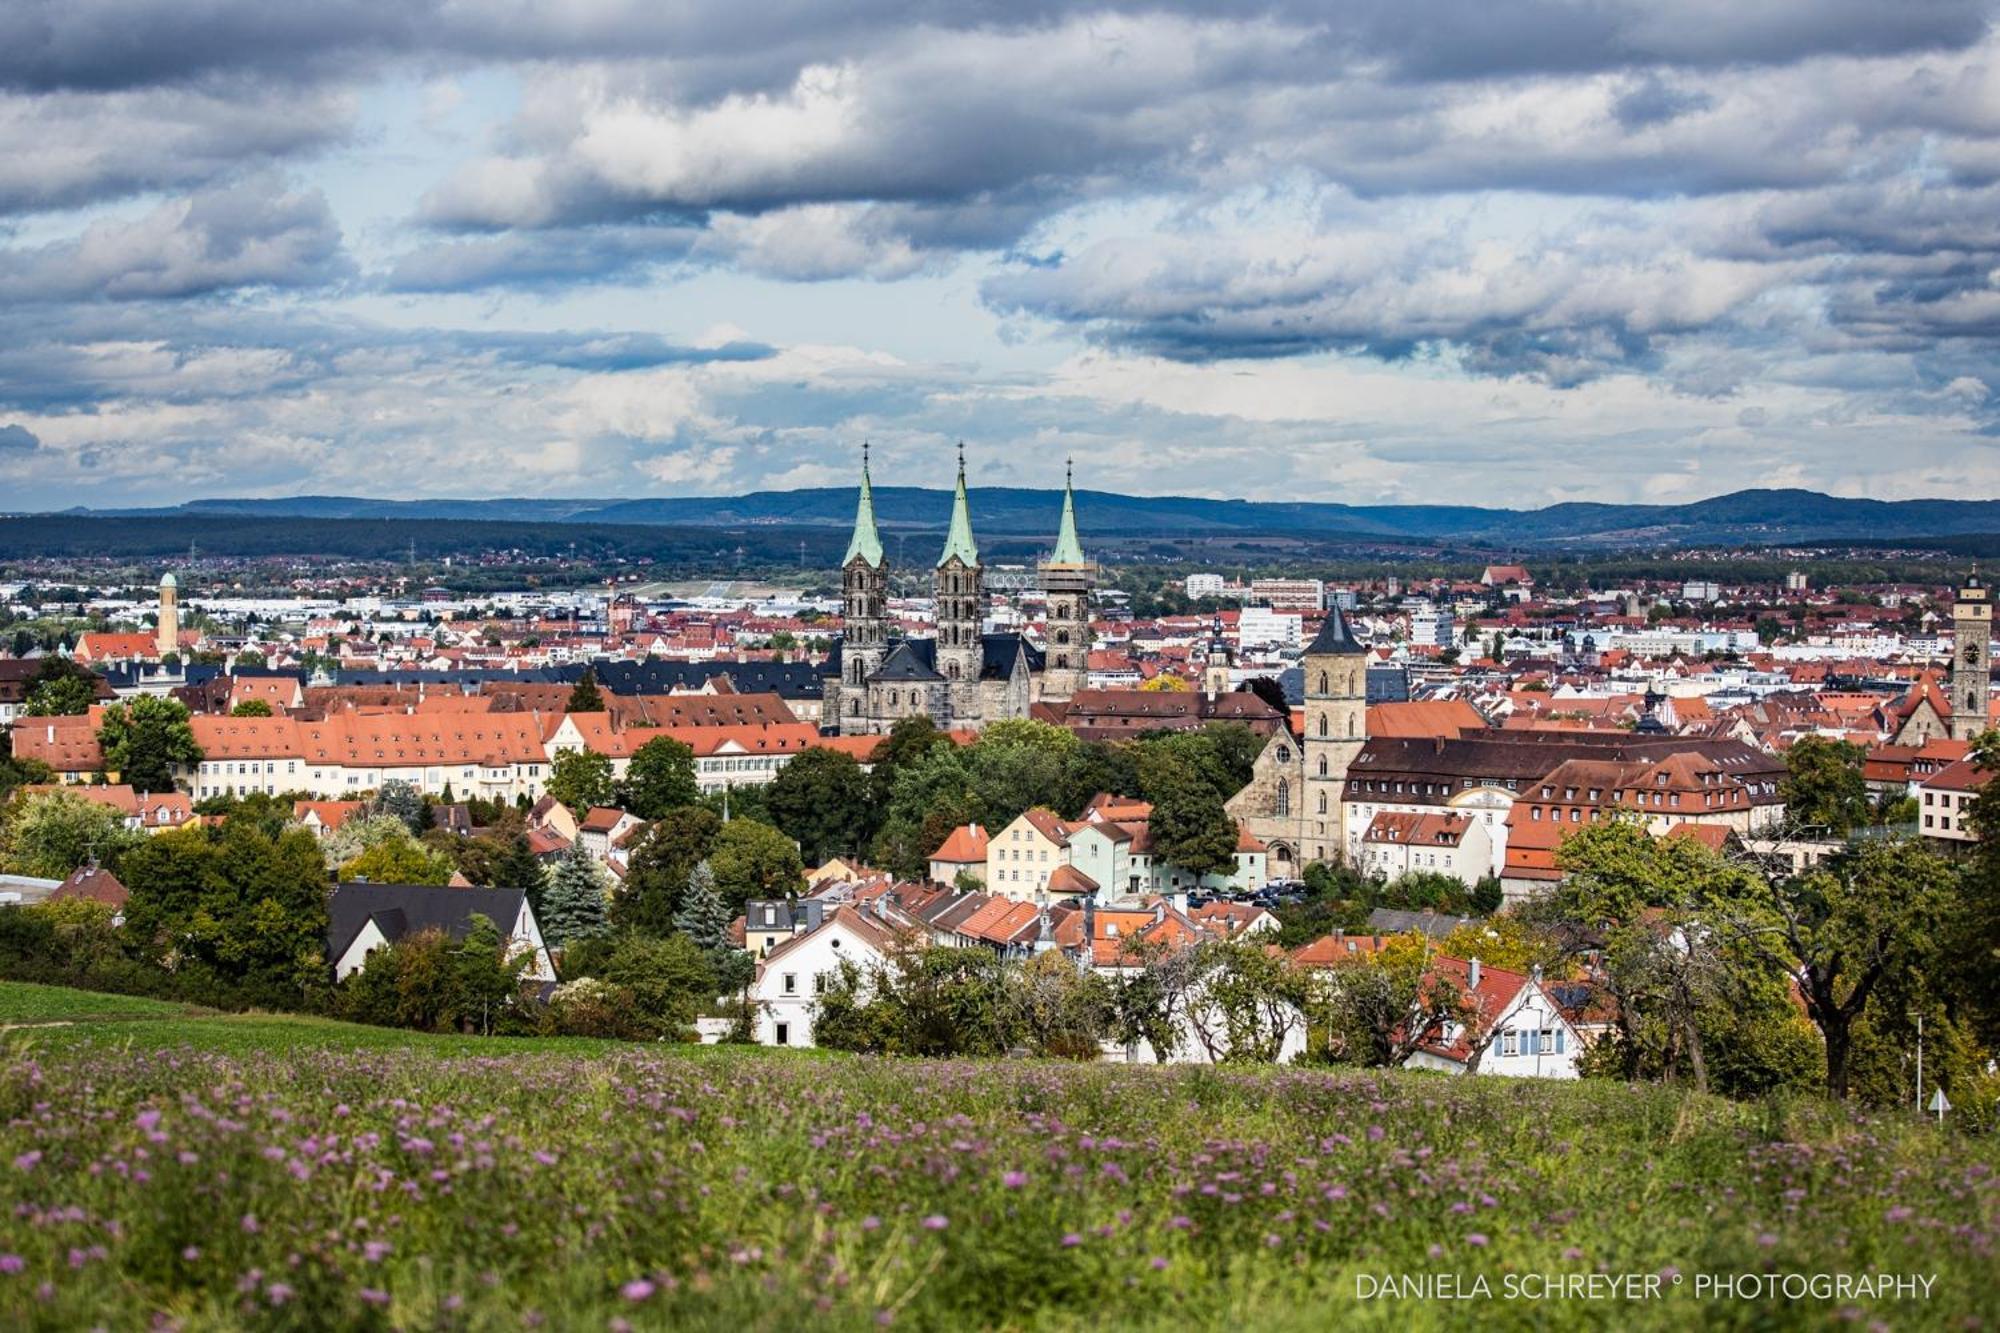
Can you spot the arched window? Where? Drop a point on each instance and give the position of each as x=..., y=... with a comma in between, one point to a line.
x=1350, y=726
x=951, y=669
x=1322, y=802
x=1284, y=798
x=854, y=708
x=1322, y=765
x=1322, y=724
x=1322, y=682
x=1062, y=636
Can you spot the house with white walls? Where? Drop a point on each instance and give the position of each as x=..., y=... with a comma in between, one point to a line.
x=1514, y=1025
x=796, y=971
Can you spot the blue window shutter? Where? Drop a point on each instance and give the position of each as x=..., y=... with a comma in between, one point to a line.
x=1559, y=1041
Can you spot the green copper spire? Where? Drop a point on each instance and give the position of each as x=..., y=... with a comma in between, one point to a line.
x=867, y=542
x=958, y=542
x=1069, y=551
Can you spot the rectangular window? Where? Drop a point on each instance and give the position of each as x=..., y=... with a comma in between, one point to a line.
x=791, y=983
x=1509, y=1043
x=784, y=1034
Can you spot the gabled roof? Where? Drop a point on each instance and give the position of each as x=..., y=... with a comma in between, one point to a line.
x=1066, y=878
x=965, y=845
x=91, y=884
x=401, y=909
x=908, y=664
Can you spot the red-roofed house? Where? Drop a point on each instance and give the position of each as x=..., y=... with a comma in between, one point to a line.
x=963, y=852
x=1944, y=803
x=1512, y=1025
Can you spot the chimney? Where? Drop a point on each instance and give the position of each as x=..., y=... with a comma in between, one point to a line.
x=1472, y=975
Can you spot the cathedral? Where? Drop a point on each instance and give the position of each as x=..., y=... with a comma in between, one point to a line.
x=961, y=677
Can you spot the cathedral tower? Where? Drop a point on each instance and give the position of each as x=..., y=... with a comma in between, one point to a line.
x=1067, y=579
x=958, y=584
x=864, y=587
x=167, y=639
x=1971, y=658
x=1336, y=727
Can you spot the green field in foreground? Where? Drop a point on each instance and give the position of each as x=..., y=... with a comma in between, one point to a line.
x=219, y=1171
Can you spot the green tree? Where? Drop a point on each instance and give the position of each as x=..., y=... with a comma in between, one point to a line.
x=250, y=659
x=1973, y=929
x=234, y=903
x=359, y=833
x=1189, y=825
x=251, y=708
x=49, y=834
x=1653, y=909
x=517, y=868
x=1377, y=1009
x=580, y=779
x=401, y=801
x=660, y=777
x=821, y=799
x=64, y=696
x=670, y=980
x=660, y=861
x=574, y=906
x=704, y=917
x=1823, y=785
x=146, y=739
x=399, y=861
x=1843, y=926
x=584, y=696
x=488, y=972
x=18, y=773
x=754, y=860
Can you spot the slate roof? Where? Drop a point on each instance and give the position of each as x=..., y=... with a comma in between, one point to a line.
x=997, y=653
x=1334, y=637
x=401, y=909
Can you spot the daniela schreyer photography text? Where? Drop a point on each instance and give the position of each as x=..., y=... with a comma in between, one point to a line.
x=1669, y=1284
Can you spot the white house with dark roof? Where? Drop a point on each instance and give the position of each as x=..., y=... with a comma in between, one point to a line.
x=363, y=917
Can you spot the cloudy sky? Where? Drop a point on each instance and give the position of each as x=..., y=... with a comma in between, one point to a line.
x=1372, y=251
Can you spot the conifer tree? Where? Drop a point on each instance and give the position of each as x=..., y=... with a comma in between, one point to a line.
x=573, y=903
x=704, y=917
x=585, y=698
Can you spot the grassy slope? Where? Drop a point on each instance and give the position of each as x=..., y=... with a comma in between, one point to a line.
x=1197, y=1198
x=55, y=1018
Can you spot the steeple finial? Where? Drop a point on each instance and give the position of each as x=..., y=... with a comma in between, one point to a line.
x=866, y=542
x=958, y=541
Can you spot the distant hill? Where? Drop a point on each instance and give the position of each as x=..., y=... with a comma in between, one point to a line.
x=1762, y=516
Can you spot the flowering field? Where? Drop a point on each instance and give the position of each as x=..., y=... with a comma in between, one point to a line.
x=417, y=1186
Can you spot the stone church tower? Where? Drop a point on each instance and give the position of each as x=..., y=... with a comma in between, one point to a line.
x=167, y=638
x=1971, y=658
x=1067, y=579
x=864, y=587
x=1336, y=727
x=959, y=587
